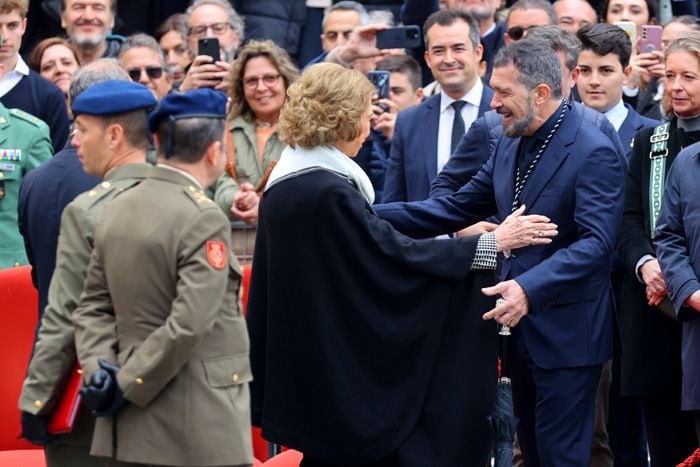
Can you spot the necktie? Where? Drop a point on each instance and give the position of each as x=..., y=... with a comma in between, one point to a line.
x=458, y=129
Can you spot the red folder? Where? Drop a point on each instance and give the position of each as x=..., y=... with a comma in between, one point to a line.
x=63, y=417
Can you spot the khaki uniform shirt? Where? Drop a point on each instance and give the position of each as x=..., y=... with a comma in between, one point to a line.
x=161, y=300
x=54, y=351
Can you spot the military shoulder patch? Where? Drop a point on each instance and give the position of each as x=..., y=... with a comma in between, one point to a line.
x=216, y=253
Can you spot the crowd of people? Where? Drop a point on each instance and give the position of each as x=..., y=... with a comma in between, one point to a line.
x=530, y=170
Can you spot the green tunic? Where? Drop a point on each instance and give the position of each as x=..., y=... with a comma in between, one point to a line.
x=24, y=144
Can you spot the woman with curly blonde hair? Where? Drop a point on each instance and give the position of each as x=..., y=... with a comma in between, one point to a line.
x=361, y=346
x=259, y=79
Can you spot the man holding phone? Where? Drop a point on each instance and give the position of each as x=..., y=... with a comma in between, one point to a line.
x=211, y=23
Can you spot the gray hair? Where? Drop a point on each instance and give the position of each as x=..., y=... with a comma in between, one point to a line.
x=559, y=40
x=100, y=70
x=141, y=40
x=543, y=5
x=381, y=17
x=234, y=19
x=535, y=63
x=346, y=5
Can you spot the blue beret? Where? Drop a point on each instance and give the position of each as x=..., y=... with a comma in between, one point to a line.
x=113, y=97
x=203, y=102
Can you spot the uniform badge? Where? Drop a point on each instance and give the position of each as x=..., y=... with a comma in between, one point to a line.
x=11, y=155
x=216, y=253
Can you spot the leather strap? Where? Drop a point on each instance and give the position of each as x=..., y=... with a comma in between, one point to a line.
x=657, y=174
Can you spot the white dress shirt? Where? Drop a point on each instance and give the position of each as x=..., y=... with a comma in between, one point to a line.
x=617, y=115
x=13, y=77
x=447, y=114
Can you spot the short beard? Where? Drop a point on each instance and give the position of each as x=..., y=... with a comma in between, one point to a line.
x=481, y=13
x=88, y=43
x=519, y=126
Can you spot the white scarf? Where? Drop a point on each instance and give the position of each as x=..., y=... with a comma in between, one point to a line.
x=293, y=161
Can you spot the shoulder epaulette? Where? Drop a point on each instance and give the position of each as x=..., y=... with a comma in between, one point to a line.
x=27, y=117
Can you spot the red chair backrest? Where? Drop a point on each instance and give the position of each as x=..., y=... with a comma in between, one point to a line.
x=18, y=319
x=245, y=285
x=288, y=458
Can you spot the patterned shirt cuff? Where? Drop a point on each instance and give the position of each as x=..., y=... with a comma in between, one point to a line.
x=485, y=256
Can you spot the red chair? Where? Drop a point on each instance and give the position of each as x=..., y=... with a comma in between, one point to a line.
x=18, y=319
x=245, y=285
x=288, y=458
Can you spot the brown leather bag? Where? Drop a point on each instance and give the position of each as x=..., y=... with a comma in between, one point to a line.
x=231, y=164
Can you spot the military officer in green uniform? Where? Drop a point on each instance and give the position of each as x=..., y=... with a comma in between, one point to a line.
x=111, y=140
x=25, y=143
x=159, y=330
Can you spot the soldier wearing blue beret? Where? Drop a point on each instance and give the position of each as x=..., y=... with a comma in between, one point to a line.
x=111, y=141
x=159, y=331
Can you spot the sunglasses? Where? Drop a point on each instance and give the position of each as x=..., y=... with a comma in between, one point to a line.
x=153, y=72
x=517, y=32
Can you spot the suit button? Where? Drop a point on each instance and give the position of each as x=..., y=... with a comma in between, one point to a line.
x=513, y=255
x=38, y=404
x=234, y=378
x=139, y=381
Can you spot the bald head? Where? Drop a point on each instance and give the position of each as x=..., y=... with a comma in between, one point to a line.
x=572, y=15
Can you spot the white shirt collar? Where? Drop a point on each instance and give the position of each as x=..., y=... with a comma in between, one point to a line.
x=617, y=115
x=472, y=97
x=21, y=66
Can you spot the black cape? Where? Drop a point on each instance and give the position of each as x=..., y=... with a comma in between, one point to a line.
x=365, y=342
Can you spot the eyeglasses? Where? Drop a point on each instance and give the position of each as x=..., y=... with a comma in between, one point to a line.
x=153, y=72
x=333, y=35
x=517, y=32
x=217, y=28
x=252, y=82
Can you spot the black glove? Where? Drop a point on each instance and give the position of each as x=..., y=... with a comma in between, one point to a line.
x=103, y=395
x=35, y=428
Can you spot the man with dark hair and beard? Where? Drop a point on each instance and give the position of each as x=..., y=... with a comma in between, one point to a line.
x=88, y=24
x=557, y=297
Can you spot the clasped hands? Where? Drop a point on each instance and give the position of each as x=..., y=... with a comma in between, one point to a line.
x=103, y=395
x=245, y=204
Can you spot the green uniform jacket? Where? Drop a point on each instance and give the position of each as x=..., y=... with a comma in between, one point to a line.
x=249, y=168
x=24, y=144
x=54, y=351
x=161, y=299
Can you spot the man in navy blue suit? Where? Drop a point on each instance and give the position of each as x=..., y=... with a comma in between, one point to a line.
x=472, y=151
x=425, y=136
x=557, y=297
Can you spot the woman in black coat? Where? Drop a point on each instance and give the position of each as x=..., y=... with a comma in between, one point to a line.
x=650, y=337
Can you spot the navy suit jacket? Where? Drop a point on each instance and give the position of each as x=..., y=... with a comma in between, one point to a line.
x=44, y=192
x=412, y=162
x=472, y=152
x=632, y=124
x=579, y=185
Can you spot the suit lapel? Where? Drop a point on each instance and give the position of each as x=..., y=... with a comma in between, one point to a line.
x=431, y=119
x=551, y=160
x=504, y=173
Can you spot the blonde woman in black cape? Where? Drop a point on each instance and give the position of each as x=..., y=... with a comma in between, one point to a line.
x=368, y=347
